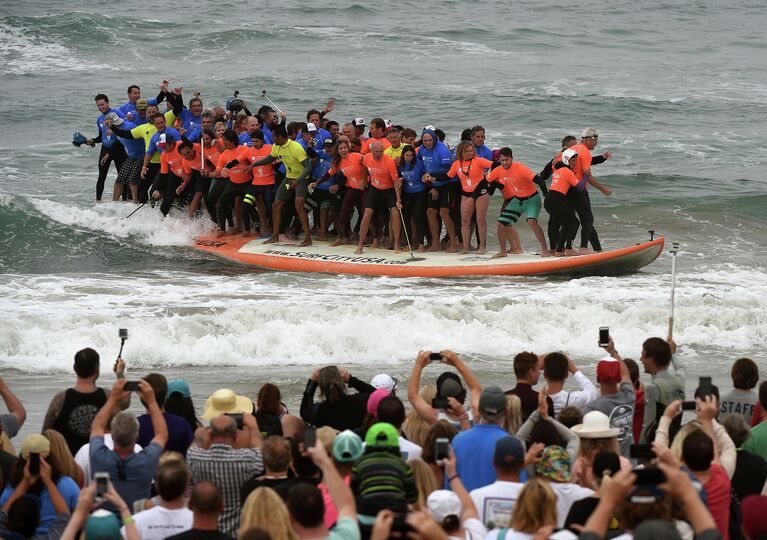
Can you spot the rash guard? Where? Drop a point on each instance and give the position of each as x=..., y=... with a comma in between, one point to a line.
x=436, y=160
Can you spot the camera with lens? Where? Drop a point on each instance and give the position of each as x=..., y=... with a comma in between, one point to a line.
x=235, y=104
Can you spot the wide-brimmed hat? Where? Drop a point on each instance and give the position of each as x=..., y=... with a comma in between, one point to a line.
x=596, y=425
x=225, y=401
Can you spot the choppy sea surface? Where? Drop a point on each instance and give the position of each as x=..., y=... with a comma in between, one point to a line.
x=676, y=89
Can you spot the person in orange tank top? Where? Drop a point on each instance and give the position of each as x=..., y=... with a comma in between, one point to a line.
x=470, y=170
x=238, y=179
x=194, y=172
x=556, y=203
x=349, y=165
x=520, y=197
x=377, y=133
x=261, y=192
x=172, y=175
x=385, y=190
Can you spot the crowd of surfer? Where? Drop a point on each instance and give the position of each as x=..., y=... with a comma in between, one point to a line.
x=259, y=174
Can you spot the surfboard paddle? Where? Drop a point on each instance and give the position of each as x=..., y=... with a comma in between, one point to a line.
x=673, y=251
x=407, y=238
x=136, y=210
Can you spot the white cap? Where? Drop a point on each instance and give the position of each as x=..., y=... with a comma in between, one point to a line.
x=384, y=382
x=358, y=122
x=311, y=127
x=442, y=503
x=567, y=155
x=589, y=132
x=387, y=124
x=161, y=140
x=430, y=128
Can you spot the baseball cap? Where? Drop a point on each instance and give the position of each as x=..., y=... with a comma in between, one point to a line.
x=102, y=525
x=449, y=385
x=328, y=142
x=180, y=386
x=387, y=123
x=492, y=403
x=142, y=104
x=382, y=380
x=347, y=447
x=430, y=128
x=116, y=120
x=509, y=450
x=358, y=122
x=589, y=132
x=609, y=371
x=382, y=434
x=310, y=127
x=567, y=155
x=374, y=399
x=35, y=444
x=442, y=503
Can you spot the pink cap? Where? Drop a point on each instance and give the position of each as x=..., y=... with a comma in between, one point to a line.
x=374, y=399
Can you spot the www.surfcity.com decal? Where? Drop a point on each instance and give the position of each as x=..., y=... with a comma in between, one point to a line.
x=335, y=258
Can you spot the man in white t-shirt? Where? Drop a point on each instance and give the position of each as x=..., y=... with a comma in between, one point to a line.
x=83, y=456
x=555, y=370
x=495, y=502
x=171, y=516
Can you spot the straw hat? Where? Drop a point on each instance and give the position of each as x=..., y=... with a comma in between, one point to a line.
x=596, y=425
x=225, y=401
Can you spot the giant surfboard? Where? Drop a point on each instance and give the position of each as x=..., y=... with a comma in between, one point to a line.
x=321, y=257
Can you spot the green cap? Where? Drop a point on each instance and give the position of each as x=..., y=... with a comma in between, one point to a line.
x=382, y=434
x=102, y=525
x=347, y=447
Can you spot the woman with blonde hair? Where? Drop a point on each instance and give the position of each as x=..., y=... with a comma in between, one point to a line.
x=62, y=457
x=596, y=436
x=416, y=428
x=425, y=481
x=535, y=509
x=265, y=509
x=512, y=416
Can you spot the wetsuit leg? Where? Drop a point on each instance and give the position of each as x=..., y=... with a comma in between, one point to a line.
x=594, y=238
x=169, y=195
x=147, y=182
x=580, y=203
x=556, y=204
x=118, y=155
x=211, y=199
x=103, y=171
x=225, y=203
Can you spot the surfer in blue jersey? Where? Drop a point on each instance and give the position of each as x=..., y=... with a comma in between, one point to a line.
x=111, y=149
x=414, y=194
x=130, y=171
x=437, y=159
x=478, y=140
x=130, y=109
x=325, y=194
x=206, y=122
x=191, y=117
x=253, y=123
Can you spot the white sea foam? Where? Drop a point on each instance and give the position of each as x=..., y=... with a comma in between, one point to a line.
x=281, y=318
x=145, y=226
x=23, y=54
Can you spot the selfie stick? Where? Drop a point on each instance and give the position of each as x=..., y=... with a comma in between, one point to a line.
x=122, y=343
x=673, y=251
x=263, y=95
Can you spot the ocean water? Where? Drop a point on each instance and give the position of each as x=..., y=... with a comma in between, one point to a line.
x=676, y=90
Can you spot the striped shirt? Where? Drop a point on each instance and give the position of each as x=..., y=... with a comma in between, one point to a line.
x=228, y=468
x=381, y=479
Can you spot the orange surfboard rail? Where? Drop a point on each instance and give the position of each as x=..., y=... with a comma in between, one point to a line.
x=379, y=262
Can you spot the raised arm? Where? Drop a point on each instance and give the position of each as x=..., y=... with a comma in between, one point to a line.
x=467, y=503
x=339, y=492
x=472, y=382
x=155, y=414
x=307, y=401
x=12, y=402
x=424, y=410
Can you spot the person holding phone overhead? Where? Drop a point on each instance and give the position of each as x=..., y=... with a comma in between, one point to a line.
x=451, y=395
x=35, y=478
